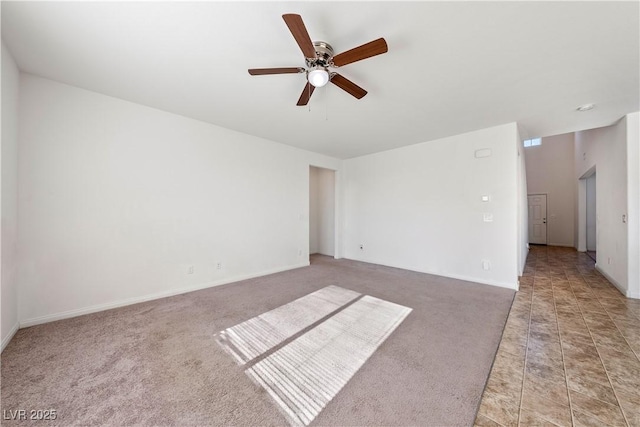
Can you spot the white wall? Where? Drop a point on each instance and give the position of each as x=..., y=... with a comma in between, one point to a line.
x=550, y=171
x=116, y=200
x=322, y=211
x=9, y=154
x=419, y=207
x=523, y=208
x=605, y=149
x=591, y=212
x=633, y=191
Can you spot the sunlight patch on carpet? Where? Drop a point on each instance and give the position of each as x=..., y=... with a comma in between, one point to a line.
x=303, y=376
x=252, y=338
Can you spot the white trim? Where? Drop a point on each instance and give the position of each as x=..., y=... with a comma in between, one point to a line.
x=582, y=210
x=513, y=286
x=581, y=238
x=633, y=205
x=9, y=336
x=521, y=268
x=476, y=280
x=135, y=300
x=613, y=281
x=337, y=216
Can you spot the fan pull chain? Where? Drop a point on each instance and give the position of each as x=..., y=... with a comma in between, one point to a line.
x=326, y=106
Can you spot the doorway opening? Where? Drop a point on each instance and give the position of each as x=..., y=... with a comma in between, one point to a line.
x=587, y=214
x=322, y=184
x=537, y=219
x=591, y=220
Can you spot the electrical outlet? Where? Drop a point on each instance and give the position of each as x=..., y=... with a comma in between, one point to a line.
x=486, y=265
x=190, y=269
x=299, y=252
x=219, y=265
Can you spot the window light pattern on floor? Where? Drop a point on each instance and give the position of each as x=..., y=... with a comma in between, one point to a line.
x=303, y=376
x=306, y=374
x=250, y=339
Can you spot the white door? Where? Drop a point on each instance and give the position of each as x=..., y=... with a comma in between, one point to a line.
x=538, y=219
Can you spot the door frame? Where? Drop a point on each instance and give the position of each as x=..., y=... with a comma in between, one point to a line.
x=337, y=209
x=582, y=210
x=546, y=216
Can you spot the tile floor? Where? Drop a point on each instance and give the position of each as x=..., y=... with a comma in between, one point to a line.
x=570, y=350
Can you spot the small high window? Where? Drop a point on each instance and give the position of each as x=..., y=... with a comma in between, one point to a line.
x=532, y=142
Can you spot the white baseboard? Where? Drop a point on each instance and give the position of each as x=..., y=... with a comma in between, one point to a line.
x=135, y=300
x=6, y=340
x=513, y=286
x=613, y=281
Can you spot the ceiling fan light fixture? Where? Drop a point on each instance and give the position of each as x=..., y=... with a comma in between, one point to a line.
x=318, y=77
x=319, y=57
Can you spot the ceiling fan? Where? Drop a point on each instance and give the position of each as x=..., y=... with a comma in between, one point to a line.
x=319, y=58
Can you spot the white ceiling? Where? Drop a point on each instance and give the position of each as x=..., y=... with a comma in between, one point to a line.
x=452, y=67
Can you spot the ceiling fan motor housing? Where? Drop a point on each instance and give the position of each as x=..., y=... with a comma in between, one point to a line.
x=324, y=55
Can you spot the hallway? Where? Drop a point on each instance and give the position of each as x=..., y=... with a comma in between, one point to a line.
x=570, y=350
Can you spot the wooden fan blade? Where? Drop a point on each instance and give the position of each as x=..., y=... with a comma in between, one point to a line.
x=263, y=71
x=299, y=32
x=306, y=94
x=359, y=53
x=348, y=86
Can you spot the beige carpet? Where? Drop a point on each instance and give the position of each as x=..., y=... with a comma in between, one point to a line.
x=160, y=363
